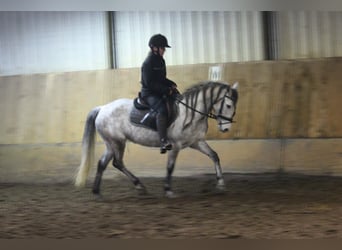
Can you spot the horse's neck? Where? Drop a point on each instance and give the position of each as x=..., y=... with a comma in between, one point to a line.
x=205, y=101
x=195, y=114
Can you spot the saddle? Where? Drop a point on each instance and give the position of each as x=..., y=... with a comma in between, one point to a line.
x=143, y=115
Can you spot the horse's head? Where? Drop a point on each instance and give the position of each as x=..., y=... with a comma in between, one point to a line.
x=225, y=108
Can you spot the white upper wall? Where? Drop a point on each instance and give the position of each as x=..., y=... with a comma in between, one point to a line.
x=309, y=34
x=39, y=42
x=195, y=37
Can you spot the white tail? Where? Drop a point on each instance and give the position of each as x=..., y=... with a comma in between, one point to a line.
x=88, y=148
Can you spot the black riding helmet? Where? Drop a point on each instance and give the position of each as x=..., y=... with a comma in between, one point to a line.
x=158, y=41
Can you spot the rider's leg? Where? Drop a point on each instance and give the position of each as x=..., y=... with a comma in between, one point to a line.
x=162, y=131
x=160, y=107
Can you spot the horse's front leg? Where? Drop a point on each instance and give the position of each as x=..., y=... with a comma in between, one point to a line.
x=204, y=148
x=171, y=161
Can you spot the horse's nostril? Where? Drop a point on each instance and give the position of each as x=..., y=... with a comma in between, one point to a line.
x=226, y=130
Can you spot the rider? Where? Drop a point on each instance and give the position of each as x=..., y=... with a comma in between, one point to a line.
x=156, y=88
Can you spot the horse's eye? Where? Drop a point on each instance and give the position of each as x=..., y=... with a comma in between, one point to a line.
x=229, y=106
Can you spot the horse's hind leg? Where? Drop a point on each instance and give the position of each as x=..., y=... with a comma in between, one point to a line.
x=101, y=166
x=203, y=147
x=118, y=163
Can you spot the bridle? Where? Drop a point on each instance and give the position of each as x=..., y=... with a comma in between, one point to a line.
x=226, y=119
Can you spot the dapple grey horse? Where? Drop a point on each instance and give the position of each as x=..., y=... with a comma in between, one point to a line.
x=204, y=100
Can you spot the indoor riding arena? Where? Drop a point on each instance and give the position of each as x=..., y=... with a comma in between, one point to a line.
x=281, y=159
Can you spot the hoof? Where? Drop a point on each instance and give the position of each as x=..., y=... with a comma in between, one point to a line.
x=221, y=185
x=220, y=190
x=98, y=197
x=170, y=194
x=96, y=191
x=141, y=189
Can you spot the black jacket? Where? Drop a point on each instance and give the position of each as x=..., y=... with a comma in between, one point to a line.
x=153, y=76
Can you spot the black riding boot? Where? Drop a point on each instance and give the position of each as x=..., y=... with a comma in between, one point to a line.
x=162, y=131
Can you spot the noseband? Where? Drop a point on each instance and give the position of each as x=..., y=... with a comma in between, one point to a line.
x=226, y=119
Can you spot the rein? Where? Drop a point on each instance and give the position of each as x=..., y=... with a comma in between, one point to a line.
x=211, y=115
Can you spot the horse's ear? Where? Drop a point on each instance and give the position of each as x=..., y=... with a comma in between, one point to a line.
x=235, y=85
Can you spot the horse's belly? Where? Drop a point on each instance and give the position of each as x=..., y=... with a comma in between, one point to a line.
x=142, y=136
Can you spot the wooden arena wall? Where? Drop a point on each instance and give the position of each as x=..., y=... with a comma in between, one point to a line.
x=280, y=101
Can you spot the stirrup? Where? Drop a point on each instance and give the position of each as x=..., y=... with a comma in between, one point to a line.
x=165, y=145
